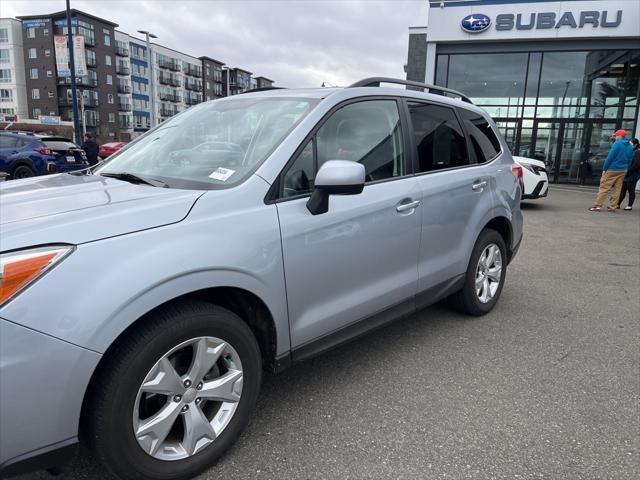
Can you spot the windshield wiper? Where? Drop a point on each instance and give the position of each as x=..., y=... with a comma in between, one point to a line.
x=135, y=178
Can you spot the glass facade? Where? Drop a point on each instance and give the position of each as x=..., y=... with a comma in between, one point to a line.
x=559, y=107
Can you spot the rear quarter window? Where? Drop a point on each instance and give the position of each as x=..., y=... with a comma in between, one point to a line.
x=484, y=142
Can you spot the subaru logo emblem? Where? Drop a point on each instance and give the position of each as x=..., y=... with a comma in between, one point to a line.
x=475, y=23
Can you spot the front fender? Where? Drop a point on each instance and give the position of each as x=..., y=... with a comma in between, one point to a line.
x=97, y=292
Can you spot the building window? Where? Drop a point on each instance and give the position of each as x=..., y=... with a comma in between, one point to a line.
x=49, y=73
x=45, y=31
x=31, y=32
x=112, y=117
x=109, y=79
x=36, y=113
x=33, y=53
x=107, y=60
x=107, y=40
x=208, y=86
x=47, y=52
x=110, y=98
x=4, y=55
x=6, y=95
x=35, y=93
x=5, y=75
x=34, y=73
x=4, y=35
x=51, y=95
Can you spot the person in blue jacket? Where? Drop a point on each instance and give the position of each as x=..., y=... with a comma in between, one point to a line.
x=613, y=172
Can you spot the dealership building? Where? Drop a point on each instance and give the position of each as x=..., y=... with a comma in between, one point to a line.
x=559, y=77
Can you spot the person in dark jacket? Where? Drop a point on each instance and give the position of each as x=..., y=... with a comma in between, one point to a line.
x=632, y=176
x=90, y=147
x=613, y=172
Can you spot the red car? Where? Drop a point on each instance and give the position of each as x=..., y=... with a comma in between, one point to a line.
x=110, y=148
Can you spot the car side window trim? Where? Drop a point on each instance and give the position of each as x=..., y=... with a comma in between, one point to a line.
x=275, y=193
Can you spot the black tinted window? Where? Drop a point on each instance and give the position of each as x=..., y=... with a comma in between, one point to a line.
x=438, y=137
x=484, y=142
x=59, y=144
x=298, y=180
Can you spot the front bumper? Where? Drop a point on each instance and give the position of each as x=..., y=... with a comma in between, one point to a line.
x=42, y=385
x=541, y=190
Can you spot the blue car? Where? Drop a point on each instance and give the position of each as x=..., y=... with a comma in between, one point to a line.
x=24, y=155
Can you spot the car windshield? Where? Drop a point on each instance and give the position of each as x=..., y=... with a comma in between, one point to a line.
x=214, y=144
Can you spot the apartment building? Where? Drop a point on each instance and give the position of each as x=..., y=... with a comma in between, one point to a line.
x=123, y=81
x=49, y=93
x=13, y=90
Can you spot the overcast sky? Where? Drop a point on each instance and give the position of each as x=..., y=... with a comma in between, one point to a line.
x=296, y=43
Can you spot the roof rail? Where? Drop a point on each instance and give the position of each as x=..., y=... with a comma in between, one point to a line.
x=263, y=89
x=376, y=81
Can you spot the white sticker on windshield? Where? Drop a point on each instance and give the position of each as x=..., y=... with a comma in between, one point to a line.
x=222, y=174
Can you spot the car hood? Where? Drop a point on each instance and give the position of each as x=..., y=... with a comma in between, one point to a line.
x=82, y=208
x=530, y=161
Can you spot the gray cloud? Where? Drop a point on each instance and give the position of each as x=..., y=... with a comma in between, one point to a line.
x=296, y=43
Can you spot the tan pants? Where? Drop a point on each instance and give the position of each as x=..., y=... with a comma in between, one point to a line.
x=611, y=180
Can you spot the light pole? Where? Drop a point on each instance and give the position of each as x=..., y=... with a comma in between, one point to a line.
x=72, y=66
x=152, y=93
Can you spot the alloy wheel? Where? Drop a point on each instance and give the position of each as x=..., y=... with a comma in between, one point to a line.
x=188, y=398
x=488, y=273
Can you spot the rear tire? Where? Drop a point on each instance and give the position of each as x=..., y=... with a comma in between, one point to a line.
x=478, y=297
x=22, y=171
x=115, y=403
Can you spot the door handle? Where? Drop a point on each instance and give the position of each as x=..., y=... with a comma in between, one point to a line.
x=404, y=207
x=478, y=185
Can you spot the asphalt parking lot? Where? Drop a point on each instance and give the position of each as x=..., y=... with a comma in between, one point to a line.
x=546, y=386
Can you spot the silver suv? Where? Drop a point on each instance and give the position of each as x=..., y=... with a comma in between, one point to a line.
x=140, y=303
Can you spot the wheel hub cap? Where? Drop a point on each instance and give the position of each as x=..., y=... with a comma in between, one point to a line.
x=190, y=395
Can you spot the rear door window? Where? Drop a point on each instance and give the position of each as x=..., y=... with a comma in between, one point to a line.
x=7, y=141
x=439, y=138
x=483, y=139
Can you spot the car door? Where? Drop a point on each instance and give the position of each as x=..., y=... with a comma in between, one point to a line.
x=7, y=148
x=455, y=189
x=359, y=259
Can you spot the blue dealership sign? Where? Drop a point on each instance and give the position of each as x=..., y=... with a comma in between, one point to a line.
x=35, y=23
x=475, y=23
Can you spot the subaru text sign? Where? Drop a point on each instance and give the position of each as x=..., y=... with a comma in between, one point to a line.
x=475, y=23
x=479, y=22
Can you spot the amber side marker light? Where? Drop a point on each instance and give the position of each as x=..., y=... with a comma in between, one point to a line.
x=19, y=269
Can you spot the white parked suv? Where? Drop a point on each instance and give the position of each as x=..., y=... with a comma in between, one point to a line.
x=534, y=174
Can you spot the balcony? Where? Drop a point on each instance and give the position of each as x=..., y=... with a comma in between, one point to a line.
x=123, y=70
x=82, y=81
x=124, y=88
x=122, y=51
x=124, y=107
x=169, y=80
x=166, y=111
x=191, y=85
x=89, y=40
x=88, y=102
x=170, y=64
x=170, y=97
x=192, y=70
x=91, y=121
x=125, y=125
x=193, y=100
x=91, y=62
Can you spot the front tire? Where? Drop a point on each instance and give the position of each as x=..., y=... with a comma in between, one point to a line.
x=485, y=276
x=174, y=394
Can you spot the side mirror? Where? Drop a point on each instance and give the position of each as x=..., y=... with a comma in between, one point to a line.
x=335, y=177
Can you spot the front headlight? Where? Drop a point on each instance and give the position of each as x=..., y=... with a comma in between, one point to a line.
x=20, y=269
x=530, y=168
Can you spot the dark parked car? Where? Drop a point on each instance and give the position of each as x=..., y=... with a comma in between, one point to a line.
x=25, y=155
